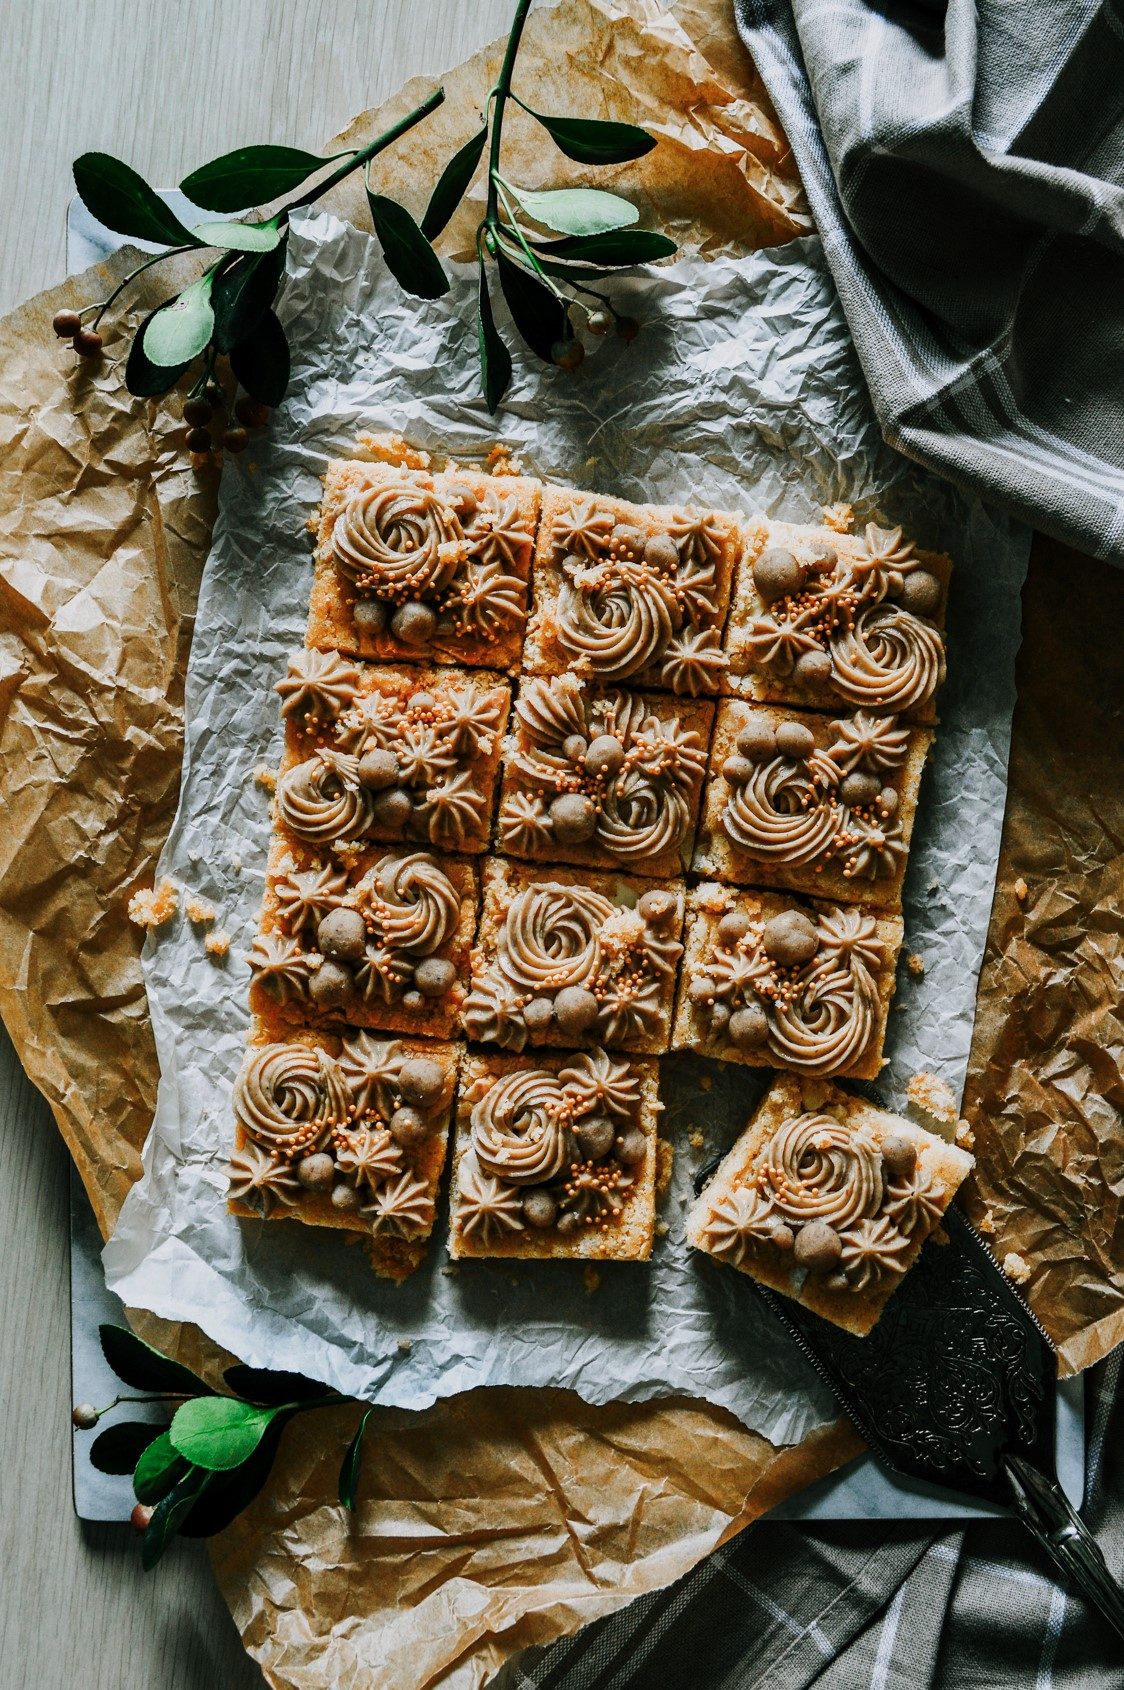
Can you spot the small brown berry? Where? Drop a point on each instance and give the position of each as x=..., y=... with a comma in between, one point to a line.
x=920, y=593
x=141, y=1517
x=196, y=411
x=538, y=1015
x=567, y=354
x=659, y=908
x=859, y=787
x=777, y=574
x=757, y=739
x=87, y=343
x=627, y=329
x=85, y=1416
x=599, y=322
x=631, y=1148
x=66, y=324
x=818, y=1247
x=199, y=440
x=215, y=394
x=251, y=412
x=813, y=668
x=236, y=439
x=391, y=810
x=574, y=747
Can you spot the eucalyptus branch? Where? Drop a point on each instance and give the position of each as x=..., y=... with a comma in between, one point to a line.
x=546, y=246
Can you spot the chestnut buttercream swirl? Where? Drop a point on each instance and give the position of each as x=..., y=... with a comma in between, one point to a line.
x=260, y=1179
x=305, y=896
x=411, y=902
x=887, y=659
x=280, y=966
x=520, y=1128
x=398, y=539
x=816, y=1168
x=550, y=936
x=289, y=1097
x=319, y=684
x=872, y=1248
x=404, y=1208
x=784, y=810
x=738, y=1222
x=322, y=799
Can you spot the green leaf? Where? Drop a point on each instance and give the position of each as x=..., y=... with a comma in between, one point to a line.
x=158, y=1470
x=180, y=330
x=594, y=141
x=452, y=185
x=250, y=176
x=120, y=1447
x=536, y=312
x=576, y=211
x=352, y=1463
x=617, y=249
x=243, y=293
x=230, y=1493
x=409, y=257
x=169, y=1514
x=262, y=1385
x=144, y=379
x=124, y=202
x=495, y=359
x=139, y=1365
x=239, y=237
x=219, y=1432
x=261, y=360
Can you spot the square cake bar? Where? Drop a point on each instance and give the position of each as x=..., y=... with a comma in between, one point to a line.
x=634, y=593
x=564, y=957
x=377, y=938
x=344, y=1131
x=774, y=982
x=811, y=803
x=416, y=566
x=603, y=779
x=829, y=621
x=388, y=754
x=827, y=1199
x=555, y=1157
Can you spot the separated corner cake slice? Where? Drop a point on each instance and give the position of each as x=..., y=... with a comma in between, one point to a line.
x=555, y=1157
x=827, y=1199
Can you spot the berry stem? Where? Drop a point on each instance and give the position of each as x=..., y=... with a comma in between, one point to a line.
x=500, y=94
x=157, y=258
x=365, y=154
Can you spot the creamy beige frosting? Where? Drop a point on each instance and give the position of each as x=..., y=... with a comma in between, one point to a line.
x=831, y=1025
x=785, y=811
x=260, y=1179
x=404, y=1208
x=627, y=599
x=595, y=1080
x=368, y=1156
x=322, y=799
x=641, y=810
x=411, y=902
x=289, y=1098
x=871, y=743
x=882, y=655
x=488, y=1207
x=887, y=659
x=399, y=539
x=372, y=1067
x=519, y=1128
x=913, y=1200
x=278, y=963
x=305, y=896
x=737, y=1222
x=818, y=1168
x=872, y=1248
x=555, y=936
x=321, y=683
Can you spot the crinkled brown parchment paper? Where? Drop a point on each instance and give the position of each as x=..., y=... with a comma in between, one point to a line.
x=504, y=1518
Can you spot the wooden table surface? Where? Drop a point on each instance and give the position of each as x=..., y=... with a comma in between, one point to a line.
x=163, y=85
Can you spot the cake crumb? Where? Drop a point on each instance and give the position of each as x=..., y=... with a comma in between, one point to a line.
x=152, y=906
x=662, y=1229
x=591, y=1279
x=916, y=964
x=929, y=1096
x=1016, y=1267
x=696, y=1138
x=965, y=1137
x=705, y=1082
x=502, y=461
x=266, y=777
x=199, y=912
x=1022, y=890
x=405, y=1345
x=217, y=944
x=839, y=518
x=986, y=1223
x=236, y=863
x=665, y=1160
x=451, y=1270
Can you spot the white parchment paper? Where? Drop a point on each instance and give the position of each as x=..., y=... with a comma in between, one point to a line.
x=742, y=392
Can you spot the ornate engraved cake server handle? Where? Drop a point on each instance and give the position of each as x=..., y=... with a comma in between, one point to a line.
x=1046, y=1511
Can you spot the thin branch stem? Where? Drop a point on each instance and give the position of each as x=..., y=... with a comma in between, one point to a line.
x=365, y=154
x=500, y=94
x=157, y=258
x=513, y=224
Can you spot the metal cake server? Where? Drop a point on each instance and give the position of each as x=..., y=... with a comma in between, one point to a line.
x=957, y=1385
